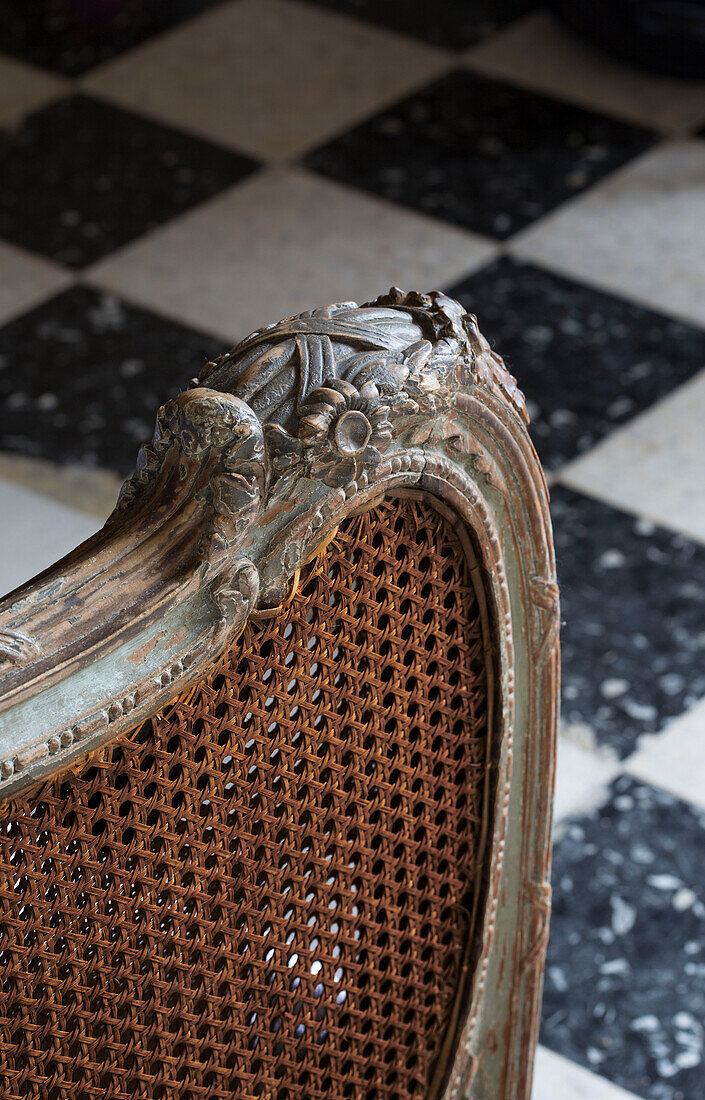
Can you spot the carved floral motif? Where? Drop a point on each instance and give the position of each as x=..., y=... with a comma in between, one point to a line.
x=342, y=431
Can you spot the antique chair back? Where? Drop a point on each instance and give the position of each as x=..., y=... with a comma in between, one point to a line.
x=277, y=743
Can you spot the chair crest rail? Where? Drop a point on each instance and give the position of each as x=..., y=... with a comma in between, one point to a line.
x=248, y=475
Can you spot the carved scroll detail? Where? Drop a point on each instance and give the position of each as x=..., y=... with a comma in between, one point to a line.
x=207, y=453
x=235, y=596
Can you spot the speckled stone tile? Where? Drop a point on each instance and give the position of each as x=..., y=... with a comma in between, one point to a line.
x=582, y=778
x=633, y=608
x=537, y=52
x=587, y=362
x=656, y=464
x=80, y=178
x=279, y=243
x=624, y=992
x=639, y=234
x=36, y=531
x=87, y=489
x=26, y=279
x=454, y=24
x=70, y=37
x=481, y=153
x=557, y=1078
x=23, y=88
x=675, y=758
x=270, y=78
x=82, y=375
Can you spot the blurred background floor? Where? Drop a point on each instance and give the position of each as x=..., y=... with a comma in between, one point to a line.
x=187, y=172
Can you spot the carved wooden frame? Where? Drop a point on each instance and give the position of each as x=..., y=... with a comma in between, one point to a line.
x=247, y=476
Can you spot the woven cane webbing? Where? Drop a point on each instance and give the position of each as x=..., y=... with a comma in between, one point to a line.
x=264, y=891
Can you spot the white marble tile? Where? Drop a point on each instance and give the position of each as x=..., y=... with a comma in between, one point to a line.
x=24, y=88
x=582, y=778
x=557, y=1078
x=35, y=532
x=281, y=242
x=26, y=280
x=537, y=52
x=639, y=234
x=675, y=758
x=654, y=465
x=271, y=78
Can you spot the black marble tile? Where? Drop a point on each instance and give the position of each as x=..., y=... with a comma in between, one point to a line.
x=454, y=24
x=80, y=178
x=480, y=153
x=633, y=609
x=625, y=979
x=82, y=376
x=71, y=36
x=586, y=361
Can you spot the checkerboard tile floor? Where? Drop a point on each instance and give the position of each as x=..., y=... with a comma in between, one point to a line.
x=175, y=175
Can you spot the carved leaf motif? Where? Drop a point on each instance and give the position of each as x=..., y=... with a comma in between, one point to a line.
x=443, y=316
x=326, y=385
x=326, y=390
x=231, y=492
x=285, y=450
x=490, y=369
x=385, y=342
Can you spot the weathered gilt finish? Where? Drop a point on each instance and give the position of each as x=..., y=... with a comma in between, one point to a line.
x=248, y=475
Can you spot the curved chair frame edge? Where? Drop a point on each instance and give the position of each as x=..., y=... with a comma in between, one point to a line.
x=248, y=476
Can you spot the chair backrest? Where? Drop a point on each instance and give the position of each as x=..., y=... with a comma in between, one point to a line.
x=277, y=744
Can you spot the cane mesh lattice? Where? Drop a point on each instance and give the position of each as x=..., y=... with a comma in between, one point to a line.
x=265, y=890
